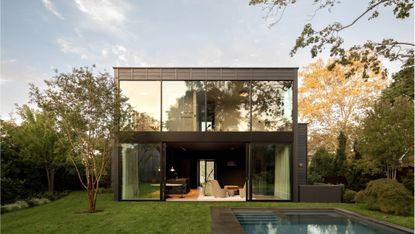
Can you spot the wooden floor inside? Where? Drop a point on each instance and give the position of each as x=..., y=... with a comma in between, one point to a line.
x=196, y=195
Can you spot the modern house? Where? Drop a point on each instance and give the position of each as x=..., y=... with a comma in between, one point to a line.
x=210, y=134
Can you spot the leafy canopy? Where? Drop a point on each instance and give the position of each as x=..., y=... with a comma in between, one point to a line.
x=369, y=53
x=88, y=108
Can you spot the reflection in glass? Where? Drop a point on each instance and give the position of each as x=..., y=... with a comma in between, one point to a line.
x=144, y=98
x=270, y=172
x=183, y=105
x=227, y=106
x=272, y=103
x=206, y=170
x=140, y=171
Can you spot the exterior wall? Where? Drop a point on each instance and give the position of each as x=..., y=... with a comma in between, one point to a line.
x=297, y=137
x=302, y=154
x=321, y=193
x=125, y=73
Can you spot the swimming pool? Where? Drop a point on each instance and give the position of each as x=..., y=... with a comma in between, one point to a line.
x=269, y=221
x=297, y=220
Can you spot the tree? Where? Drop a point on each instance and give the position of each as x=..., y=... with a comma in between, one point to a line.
x=370, y=53
x=88, y=109
x=20, y=178
x=387, y=136
x=340, y=160
x=321, y=166
x=332, y=103
x=41, y=142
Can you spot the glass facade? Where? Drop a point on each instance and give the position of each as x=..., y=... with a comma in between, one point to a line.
x=208, y=106
x=220, y=106
x=272, y=105
x=140, y=171
x=270, y=166
x=227, y=106
x=144, y=98
x=183, y=105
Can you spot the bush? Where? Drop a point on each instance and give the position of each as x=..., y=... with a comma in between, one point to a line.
x=408, y=180
x=388, y=196
x=14, y=206
x=349, y=196
x=39, y=199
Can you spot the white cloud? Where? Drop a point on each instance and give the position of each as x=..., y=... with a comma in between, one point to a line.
x=68, y=47
x=126, y=57
x=104, y=13
x=51, y=7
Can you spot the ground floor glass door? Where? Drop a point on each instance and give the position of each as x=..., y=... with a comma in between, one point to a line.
x=270, y=171
x=141, y=171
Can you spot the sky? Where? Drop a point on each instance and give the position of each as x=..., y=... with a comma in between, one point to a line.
x=39, y=36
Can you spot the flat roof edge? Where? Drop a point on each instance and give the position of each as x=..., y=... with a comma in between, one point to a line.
x=294, y=68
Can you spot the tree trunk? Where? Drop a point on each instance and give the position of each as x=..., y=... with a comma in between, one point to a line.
x=50, y=174
x=92, y=195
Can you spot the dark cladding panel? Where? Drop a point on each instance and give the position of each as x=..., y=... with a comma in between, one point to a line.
x=168, y=74
x=184, y=74
x=139, y=74
x=124, y=74
x=273, y=74
x=244, y=74
x=302, y=153
x=160, y=73
x=154, y=74
x=213, y=74
x=199, y=73
x=229, y=74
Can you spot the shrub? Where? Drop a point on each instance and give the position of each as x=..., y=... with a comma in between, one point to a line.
x=349, y=196
x=14, y=206
x=388, y=196
x=408, y=180
x=39, y=201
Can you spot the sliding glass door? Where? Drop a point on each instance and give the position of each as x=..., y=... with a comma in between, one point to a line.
x=141, y=171
x=270, y=171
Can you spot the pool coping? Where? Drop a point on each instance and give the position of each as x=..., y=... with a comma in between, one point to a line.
x=225, y=222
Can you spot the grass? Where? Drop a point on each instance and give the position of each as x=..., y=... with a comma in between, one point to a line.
x=64, y=216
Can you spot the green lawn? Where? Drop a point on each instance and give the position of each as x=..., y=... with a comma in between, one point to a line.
x=64, y=216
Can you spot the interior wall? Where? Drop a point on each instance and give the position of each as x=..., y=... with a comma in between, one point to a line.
x=185, y=164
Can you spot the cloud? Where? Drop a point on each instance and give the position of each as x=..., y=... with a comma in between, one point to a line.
x=51, y=7
x=125, y=57
x=68, y=47
x=107, y=14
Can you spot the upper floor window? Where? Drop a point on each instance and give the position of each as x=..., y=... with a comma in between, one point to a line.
x=272, y=104
x=144, y=98
x=220, y=106
x=183, y=106
x=227, y=106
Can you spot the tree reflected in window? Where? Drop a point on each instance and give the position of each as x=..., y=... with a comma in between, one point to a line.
x=228, y=106
x=183, y=105
x=272, y=103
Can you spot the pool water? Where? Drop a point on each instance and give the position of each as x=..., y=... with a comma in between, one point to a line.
x=267, y=221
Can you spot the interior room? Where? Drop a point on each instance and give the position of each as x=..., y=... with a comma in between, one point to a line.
x=205, y=172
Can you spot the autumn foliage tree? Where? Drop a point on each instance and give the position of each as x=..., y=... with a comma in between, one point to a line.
x=88, y=108
x=332, y=103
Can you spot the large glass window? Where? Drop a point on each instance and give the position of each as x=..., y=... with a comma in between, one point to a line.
x=227, y=106
x=272, y=103
x=144, y=98
x=140, y=171
x=211, y=105
x=270, y=166
x=183, y=105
